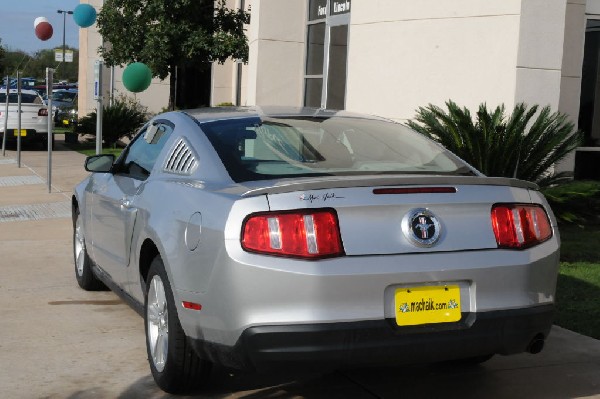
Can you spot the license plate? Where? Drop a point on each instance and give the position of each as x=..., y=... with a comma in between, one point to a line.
x=23, y=132
x=425, y=305
x=65, y=122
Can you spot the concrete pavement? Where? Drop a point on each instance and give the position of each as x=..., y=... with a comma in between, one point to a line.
x=58, y=341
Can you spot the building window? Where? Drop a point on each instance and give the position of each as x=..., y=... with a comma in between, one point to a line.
x=326, y=53
x=589, y=109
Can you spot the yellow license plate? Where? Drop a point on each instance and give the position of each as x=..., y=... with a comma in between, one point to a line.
x=23, y=132
x=65, y=122
x=425, y=305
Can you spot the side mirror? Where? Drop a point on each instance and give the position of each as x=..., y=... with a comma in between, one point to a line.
x=99, y=163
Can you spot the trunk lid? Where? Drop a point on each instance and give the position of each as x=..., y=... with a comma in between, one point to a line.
x=380, y=224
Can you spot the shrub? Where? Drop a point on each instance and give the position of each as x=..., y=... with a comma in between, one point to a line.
x=122, y=119
x=520, y=145
x=576, y=202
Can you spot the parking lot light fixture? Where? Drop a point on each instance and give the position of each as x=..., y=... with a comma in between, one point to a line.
x=64, y=13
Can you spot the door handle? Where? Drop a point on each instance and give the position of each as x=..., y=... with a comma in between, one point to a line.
x=126, y=203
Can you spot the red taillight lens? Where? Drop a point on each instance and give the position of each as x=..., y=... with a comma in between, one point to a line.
x=303, y=234
x=520, y=226
x=43, y=112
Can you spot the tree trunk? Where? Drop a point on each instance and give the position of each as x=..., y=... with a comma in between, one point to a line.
x=172, y=87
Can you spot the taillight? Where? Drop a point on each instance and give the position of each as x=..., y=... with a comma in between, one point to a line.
x=301, y=233
x=520, y=226
x=43, y=112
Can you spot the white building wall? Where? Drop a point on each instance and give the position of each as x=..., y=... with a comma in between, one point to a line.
x=405, y=54
x=572, y=64
x=224, y=82
x=541, y=42
x=277, y=46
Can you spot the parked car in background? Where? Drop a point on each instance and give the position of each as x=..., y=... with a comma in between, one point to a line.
x=266, y=239
x=34, y=117
x=64, y=104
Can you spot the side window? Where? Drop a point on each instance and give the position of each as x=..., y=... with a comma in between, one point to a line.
x=144, y=150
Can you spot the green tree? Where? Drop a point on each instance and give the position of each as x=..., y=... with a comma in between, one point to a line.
x=35, y=66
x=525, y=144
x=2, y=61
x=172, y=36
x=43, y=59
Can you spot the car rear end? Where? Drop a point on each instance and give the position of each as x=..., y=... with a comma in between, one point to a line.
x=342, y=269
x=34, y=117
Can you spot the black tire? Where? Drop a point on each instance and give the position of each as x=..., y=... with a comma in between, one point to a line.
x=181, y=370
x=83, y=265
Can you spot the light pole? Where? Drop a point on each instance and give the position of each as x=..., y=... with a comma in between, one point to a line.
x=64, y=13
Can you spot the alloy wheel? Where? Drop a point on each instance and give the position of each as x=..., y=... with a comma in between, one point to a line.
x=79, y=248
x=158, y=323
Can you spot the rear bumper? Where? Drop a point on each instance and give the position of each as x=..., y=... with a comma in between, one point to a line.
x=30, y=135
x=381, y=342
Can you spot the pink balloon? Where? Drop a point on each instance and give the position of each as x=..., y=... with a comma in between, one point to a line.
x=44, y=31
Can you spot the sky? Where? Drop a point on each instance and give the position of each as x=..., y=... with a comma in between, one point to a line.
x=16, y=24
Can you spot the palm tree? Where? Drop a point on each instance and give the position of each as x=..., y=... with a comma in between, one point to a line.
x=521, y=145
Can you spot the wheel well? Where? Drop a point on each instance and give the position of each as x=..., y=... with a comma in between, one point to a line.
x=74, y=208
x=148, y=252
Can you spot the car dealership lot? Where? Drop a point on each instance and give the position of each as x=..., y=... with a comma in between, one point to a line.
x=60, y=341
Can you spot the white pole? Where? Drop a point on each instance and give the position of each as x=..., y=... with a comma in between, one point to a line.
x=49, y=84
x=99, y=109
x=18, y=119
x=5, y=117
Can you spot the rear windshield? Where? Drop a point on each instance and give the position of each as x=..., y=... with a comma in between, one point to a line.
x=25, y=98
x=268, y=148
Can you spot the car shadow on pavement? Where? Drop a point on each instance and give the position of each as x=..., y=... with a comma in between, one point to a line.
x=225, y=383
x=438, y=380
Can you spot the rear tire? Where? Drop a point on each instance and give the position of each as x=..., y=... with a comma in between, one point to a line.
x=175, y=366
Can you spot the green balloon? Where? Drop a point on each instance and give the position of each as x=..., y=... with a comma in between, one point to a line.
x=137, y=77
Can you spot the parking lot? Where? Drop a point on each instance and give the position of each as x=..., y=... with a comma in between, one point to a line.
x=58, y=341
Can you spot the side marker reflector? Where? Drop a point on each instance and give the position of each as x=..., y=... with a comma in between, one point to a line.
x=191, y=305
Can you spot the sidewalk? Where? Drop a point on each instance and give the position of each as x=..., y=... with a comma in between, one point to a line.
x=24, y=192
x=57, y=340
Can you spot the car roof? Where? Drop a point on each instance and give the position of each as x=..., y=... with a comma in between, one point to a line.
x=203, y=115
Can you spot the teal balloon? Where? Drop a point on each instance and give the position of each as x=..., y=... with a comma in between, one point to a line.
x=137, y=77
x=84, y=15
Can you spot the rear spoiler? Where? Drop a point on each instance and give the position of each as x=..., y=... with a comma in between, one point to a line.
x=286, y=186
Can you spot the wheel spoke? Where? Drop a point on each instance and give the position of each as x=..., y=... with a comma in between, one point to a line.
x=153, y=314
x=159, y=350
x=79, y=248
x=161, y=300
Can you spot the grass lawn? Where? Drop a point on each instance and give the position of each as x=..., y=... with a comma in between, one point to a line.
x=578, y=288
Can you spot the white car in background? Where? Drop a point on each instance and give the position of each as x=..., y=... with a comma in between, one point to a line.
x=34, y=117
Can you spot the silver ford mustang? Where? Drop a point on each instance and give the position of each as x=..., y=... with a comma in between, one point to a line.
x=276, y=238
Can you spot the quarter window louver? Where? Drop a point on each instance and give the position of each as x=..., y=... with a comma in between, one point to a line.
x=181, y=160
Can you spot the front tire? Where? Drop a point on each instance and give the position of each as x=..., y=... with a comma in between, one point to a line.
x=175, y=366
x=83, y=265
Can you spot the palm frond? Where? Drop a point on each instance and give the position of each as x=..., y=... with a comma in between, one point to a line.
x=525, y=144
